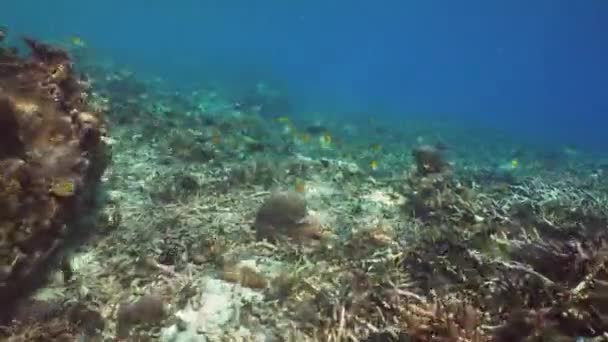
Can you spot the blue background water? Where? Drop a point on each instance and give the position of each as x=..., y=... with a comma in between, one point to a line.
x=534, y=68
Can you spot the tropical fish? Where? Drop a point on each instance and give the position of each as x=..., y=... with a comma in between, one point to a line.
x=2, y=33
x=315, y=129
x=373, y=165
x=283, y=119
x=325, y=140
x=77, y=41
x=63, y=188
x=514, y=164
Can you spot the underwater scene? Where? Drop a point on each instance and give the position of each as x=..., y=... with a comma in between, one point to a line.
x=293, y=171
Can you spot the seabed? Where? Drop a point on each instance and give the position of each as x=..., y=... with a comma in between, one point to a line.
x=221, y=221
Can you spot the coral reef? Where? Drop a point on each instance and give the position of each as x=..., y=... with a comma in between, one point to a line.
x=420, y=245
x=51, y=160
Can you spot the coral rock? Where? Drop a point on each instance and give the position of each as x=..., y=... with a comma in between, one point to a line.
x=429, y=160
x=51, y=159
x=148, y=309
x=285, y=214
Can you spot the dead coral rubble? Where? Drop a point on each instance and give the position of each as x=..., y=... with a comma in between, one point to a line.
x=534, y=258
x=51, y=160
x=38, y=320
x=434, y=196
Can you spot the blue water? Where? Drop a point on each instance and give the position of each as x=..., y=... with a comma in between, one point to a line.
x=537, y=69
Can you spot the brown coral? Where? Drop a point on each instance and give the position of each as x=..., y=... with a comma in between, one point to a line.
x=429, y=160
x=51, y=159
x=286, y=214
x=244, y=275
x=148, y=309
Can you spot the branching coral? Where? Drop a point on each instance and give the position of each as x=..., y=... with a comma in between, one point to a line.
x=536, y=262
x=434, y=196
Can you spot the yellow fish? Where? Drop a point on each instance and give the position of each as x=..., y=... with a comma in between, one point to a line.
x=376, y=147
x=514, y=164
x=77, y=41
x=63, y=188
x=283, y=119
x=326, y=139
x=373, y=165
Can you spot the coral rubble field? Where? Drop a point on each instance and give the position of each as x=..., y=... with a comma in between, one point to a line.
x=215, y=221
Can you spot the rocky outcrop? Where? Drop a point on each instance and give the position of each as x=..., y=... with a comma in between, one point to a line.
x=52, y=156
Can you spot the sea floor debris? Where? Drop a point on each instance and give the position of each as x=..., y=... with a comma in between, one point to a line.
x=434, y=245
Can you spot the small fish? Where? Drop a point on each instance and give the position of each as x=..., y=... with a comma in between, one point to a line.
x=2, y=33
x=63, y=188
x=514, y=164
x=315, y=129
x=376, y=147
x=305, y=138
x=373, y=165
x=77, y=41
x=325, y=139
x=283, y=119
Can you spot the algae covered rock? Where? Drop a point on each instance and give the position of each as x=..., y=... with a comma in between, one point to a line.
x=148, y=309
x=52, y=156
x=429, y=160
